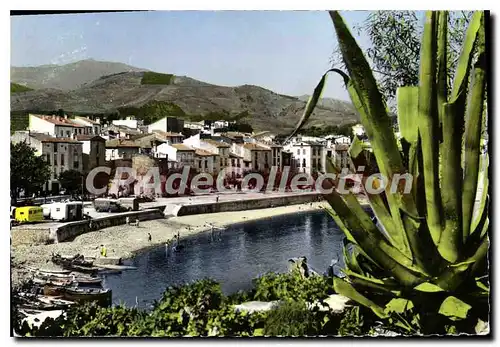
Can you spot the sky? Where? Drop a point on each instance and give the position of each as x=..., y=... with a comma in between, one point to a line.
x=285, y=51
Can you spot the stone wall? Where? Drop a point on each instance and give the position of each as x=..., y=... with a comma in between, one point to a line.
x=69, y=231
x=250, y=204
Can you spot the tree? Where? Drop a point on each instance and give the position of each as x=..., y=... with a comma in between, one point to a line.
x=71, y=181
x=395, y=47
x=28, y=172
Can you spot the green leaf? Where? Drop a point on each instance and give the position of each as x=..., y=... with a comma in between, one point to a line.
x=347, y=290
x=482, y=286
x=454, y=308
x=398, y=305
x=311, y=104
x=258, y=332
x=428, y=287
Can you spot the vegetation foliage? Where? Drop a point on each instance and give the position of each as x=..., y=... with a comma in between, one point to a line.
x=394, y=49
x=200, y=309
x=18, y=88
x=425, y=269
x=71, y=181
x=150, y=77
x=28, y=171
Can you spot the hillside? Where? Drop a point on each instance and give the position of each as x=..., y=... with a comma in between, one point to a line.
x=66, y=77
x=137, y=94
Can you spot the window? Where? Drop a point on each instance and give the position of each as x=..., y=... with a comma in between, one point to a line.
x=55, y=158
x=303, y=151
x=48, y=158
x=67, y=133
x=304, y=162
x=55, y=172
x=221, y=162
x=314, y=151
x=62, y=133
x=298, y=152
x=76, y=165
x=265, y=157
x=62, y=159
x=58, y=209
x=199, y=163
x=314, y=163
x=247, y=164
x=226, y=161
x=232, y=162
x=206, y=164
x=55, y=147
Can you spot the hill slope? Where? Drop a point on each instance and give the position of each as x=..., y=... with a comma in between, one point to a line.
x=125, y=92
x=66, y=77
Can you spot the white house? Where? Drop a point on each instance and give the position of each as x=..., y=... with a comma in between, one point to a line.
x=121, y=149
x=205, y=161
x=87, y=122
x=308, y=156
x=217, y=147
x=182, y=154
x=57, y=126
x=167, y=124
x=130, y=122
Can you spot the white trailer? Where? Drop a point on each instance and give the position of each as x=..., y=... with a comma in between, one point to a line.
x=63, y=211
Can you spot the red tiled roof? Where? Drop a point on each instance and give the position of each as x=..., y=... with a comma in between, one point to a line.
x=203, y=153
x=255, y=147
x=60, y=140
x=89, y=138
x=182, y=147
x=60, y=121
x=115, y=143
x=216, y=143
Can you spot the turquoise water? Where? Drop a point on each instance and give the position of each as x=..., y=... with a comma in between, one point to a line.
x=241, y=253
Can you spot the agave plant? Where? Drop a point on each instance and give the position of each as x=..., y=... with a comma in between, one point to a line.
x=429, y=254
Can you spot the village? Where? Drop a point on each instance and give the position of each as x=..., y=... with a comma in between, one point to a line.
x=82, y=144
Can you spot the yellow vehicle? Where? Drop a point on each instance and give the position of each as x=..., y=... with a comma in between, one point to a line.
x=28, y=214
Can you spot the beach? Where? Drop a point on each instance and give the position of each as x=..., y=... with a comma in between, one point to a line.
x=124, y=240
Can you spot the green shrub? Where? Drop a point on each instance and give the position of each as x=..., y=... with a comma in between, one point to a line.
x=274, y=286
x=18, y=88
x=150, y=77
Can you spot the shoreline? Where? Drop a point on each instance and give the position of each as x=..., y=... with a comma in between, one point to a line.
x=125, y=241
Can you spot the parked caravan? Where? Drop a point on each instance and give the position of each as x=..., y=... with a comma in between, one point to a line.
x=64, y=211
x=107, y=205
x=29, y=214
x=131, y=204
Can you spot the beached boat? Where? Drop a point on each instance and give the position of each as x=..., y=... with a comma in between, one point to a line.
x=77, y=260
x=102, y=296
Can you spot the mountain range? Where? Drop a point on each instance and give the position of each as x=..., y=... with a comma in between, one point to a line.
x=99, y=87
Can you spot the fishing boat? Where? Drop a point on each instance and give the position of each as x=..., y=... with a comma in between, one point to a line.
x=69, y=262
x=102, y=296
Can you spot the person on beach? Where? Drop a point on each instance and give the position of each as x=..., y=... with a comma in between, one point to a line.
x=167, y=246
x=149, y=237
x=217, y=199
x=175, y=243
x=104, y=251
x=127, y=220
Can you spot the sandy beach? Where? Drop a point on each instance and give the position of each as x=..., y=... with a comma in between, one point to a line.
x=123, y=240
